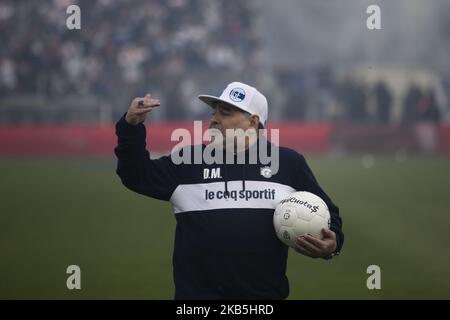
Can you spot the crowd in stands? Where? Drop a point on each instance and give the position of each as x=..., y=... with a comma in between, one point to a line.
x=174, y=49
x=319, y=94
x=125, y=48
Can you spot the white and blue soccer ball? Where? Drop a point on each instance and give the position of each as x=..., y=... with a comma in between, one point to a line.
x=299, y=214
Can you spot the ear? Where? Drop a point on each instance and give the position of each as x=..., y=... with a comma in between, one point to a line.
x=254, y=121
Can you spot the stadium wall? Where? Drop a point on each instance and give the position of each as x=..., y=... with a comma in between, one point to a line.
x=319, y=138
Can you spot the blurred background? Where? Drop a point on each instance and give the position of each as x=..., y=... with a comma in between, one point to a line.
x=370, y=109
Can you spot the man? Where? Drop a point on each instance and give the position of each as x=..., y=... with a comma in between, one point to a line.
x=225, y=245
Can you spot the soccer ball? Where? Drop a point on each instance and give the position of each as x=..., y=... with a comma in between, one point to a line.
x=299, y=214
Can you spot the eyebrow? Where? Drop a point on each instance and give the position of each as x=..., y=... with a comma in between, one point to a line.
x=225, y=107
x=228, y=108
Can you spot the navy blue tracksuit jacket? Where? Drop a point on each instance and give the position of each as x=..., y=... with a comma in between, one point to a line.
x=225, y=243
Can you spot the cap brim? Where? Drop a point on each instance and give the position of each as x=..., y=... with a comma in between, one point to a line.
x=212, y=101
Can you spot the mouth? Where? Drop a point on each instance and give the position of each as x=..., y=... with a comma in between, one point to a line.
x=216, y=127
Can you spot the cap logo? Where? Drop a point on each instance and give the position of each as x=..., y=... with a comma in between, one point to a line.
x=237, y=94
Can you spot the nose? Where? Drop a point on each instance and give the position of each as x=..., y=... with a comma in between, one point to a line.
x=214, y=120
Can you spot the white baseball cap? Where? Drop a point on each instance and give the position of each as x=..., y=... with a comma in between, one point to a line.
x=241, y=96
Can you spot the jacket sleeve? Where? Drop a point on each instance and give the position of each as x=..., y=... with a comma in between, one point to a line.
x=153, y=178
x=307, y=182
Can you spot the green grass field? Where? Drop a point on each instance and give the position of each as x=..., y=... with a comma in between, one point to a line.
x=54, y=213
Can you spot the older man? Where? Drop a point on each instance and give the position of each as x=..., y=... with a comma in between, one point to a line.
x=225, y=243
